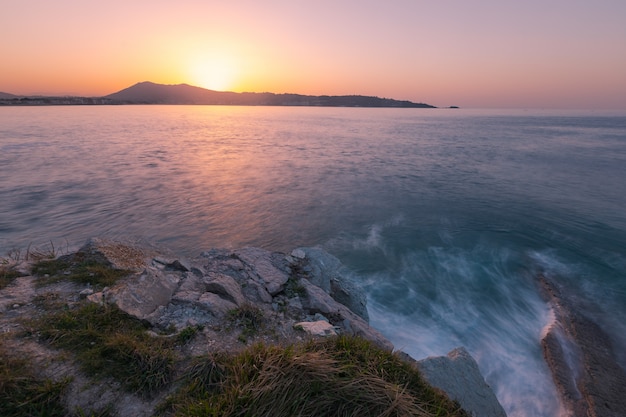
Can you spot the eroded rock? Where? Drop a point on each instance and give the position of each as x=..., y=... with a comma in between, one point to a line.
x=318, y=301
x=141, y=294
x=327, y=272
x=457, y=374
x=581, y=358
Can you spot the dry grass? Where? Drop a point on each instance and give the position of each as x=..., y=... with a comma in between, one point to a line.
x=108, y=342
x=23, y=393
x=343, y=376
x=7, y=276
x=77, y=270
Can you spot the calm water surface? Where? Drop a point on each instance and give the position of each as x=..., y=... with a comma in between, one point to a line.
x=445, y=216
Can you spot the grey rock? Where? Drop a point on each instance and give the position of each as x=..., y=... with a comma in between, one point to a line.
x=328, y=273
x=215, y=304
x=224, y=280
x=178, y=265
x=85, y=293
x=318, y=301
x=273, y=278
x=226, y=287
x=457, y=374
x=323, y=266
x=141, y=294
x=256, y=292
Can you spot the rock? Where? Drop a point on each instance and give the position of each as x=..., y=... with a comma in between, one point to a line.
x=579, y=354
x=114, y=254
x=85, y=293
x=298, y=254
x=345, y=292
x=215, y=304
x=323, y=266
x=256, y=292
x=457, y=374
x=178, y=265
x=141, y=294
x=318, y=301
x=226, y=287
x=273, y=278
x=317, y=328
x=172, y=292
x=328, y=273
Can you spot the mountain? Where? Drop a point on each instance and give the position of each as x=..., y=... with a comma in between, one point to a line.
x=151, y=93
x=6, y=96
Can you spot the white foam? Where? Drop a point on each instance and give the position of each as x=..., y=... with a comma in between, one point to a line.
x=472, y=299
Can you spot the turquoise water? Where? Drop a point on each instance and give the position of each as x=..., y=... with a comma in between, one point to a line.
x=444, y=216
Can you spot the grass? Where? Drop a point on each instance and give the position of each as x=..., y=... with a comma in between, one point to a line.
x=108, y=342
x=249, y=318
x=342, y=376
x=7, y=276
x=187, y=334
x=293, y=287
x=338, y=376
x=77, y=270
x=23, y=393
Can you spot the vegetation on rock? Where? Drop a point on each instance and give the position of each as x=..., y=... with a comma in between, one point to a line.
x=75, y=269
x=213, y=368
x=340, y=376
x=23, y=392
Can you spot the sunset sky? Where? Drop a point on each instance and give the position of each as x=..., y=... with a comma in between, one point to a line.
x=482, y=53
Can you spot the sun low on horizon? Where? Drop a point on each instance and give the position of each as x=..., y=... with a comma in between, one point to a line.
x=491, y=54
x=219, y=73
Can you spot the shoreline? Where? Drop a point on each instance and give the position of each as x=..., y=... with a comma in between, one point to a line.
x=168, y=292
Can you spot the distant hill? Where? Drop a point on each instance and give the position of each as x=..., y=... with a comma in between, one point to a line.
x=151, y=93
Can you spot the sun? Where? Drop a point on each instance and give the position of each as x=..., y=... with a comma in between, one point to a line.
x=215, y=73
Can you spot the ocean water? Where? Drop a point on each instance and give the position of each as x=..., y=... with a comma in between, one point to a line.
x=444, y=216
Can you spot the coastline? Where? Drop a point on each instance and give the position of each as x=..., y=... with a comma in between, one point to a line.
x=174, y=293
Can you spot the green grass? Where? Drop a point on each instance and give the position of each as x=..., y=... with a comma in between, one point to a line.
x=339, y=376
x=342, y=376
x=187, y=334
x=108, y=342
x=293, y=287
x=249, y=319
x=77, y=270
x=23, y=393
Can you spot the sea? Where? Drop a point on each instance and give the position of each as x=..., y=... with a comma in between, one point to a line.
x=445, y=217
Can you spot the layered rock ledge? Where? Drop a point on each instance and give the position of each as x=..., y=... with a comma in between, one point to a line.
x=582, y=360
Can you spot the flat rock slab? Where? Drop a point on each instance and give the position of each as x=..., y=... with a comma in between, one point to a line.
x=115, y=254
x=141, y=294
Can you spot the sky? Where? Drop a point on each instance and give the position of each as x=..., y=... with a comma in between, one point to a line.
x=469, y=53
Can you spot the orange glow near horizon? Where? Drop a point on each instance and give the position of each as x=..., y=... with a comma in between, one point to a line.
x=491, y=54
